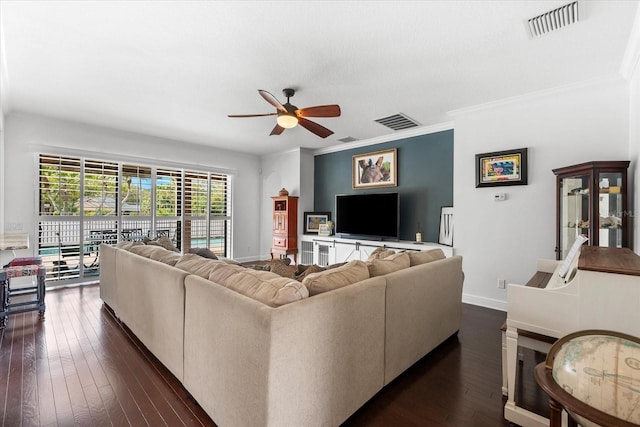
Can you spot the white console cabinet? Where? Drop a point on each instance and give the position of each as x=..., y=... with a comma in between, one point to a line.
x=330, y=250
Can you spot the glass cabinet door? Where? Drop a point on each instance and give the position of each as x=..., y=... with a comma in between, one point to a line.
x=574, y=210
x=610, y=207
x=592, y=200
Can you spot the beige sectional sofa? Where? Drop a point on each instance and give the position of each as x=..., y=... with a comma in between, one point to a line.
x=310, y=362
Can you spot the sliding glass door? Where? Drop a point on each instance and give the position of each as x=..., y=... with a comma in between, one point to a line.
x=83, y=203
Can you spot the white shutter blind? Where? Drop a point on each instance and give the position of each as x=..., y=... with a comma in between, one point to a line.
x=85, y=202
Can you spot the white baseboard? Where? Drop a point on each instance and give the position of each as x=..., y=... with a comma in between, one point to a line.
x=248, y=259
x=484, y=302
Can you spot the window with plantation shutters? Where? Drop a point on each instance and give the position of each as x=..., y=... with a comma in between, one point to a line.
x=86, y=202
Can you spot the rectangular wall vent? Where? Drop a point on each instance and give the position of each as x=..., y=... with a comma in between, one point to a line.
x=553, y=20
x=397, y=122
x=348, y=139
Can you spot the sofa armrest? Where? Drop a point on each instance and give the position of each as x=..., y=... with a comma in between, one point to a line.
x=108, y=283
x=424, y=308
x=151, y=304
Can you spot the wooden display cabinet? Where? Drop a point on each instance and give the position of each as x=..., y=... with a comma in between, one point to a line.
x=591, y=199
x=285, y=227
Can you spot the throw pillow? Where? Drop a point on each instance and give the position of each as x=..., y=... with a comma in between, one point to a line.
x=146, y=251
x=336, y=265
x=126, y=245
x=395, y=262
x=423, y=257
x=203, y=252
x=352, y=272
x=165, y=243
x=381, y=252
x=309, y=269
x=282, y=270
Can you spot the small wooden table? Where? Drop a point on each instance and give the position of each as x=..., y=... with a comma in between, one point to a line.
x=595, y=376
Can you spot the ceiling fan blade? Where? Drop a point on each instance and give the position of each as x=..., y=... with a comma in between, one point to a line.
x=319, y=130
x=277, y=130
x=320, y=111
x=252, y=115
x=271, y=100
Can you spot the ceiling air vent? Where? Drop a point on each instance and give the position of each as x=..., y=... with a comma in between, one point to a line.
x=397, y=122
x=553, y=20
x=348, y=139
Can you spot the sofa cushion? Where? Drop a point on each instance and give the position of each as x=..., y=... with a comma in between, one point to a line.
x=264, y=286
x=423, y=257
x=395, y=262
x=203, y=252
x=328, y=280
x=197, y=265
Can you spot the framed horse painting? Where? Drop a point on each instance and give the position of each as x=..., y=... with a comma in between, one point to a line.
x=376, y=169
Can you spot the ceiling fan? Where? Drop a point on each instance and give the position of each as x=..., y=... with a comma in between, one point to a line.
x=289, y=116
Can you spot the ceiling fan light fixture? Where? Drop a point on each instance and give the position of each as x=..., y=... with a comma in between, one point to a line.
x=287, y=121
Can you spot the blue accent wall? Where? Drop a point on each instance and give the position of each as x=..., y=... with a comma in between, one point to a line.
x=425, y=181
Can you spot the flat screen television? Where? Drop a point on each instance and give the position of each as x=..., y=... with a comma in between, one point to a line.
x=374, y=216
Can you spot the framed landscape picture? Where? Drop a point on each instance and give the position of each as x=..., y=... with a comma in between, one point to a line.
x=501, y=168
x=313, y=220
x=376, y=169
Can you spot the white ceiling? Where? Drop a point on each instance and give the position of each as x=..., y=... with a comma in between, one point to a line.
x=176, y=69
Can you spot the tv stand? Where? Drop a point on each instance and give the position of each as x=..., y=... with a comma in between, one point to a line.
x=328, y=250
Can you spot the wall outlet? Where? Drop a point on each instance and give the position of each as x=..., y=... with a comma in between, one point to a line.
x=502, y=284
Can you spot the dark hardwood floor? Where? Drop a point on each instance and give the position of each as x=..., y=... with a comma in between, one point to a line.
x=80, y=366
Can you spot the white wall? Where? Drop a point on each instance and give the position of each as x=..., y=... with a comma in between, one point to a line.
x=279, y=170
x=2, y=161
x=292, y=170
x=503, y=240
x=27, y=134
x=634, y=149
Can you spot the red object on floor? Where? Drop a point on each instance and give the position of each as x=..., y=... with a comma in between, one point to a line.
x=25, y=261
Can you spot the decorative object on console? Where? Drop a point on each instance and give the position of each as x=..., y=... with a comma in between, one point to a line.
x=507, y=167
x=376, y=169
x=324, y=230
x=446, y=226
x=313, y=220
x=283, y=192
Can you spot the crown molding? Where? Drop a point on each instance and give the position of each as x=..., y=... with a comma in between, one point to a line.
x=418, y=131
x=118, y=157
x=533, y=95
x=631, y=57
